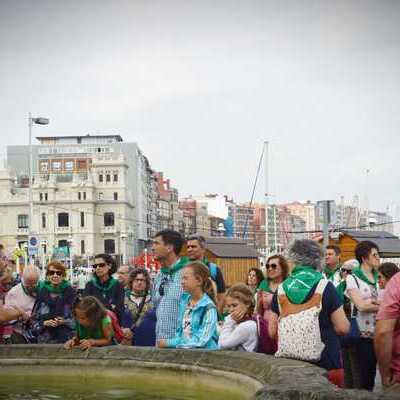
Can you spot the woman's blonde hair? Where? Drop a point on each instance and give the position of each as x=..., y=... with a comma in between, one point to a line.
x=201, y=271
x=242, y=293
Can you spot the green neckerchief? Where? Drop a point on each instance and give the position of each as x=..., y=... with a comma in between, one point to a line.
x=135, y=294
x=53, y=289
x=298, y=285
x=104, y=287
x=264, y=286
x=359, y=273
x=330, y=272
x=340, y=289
x=176, y=267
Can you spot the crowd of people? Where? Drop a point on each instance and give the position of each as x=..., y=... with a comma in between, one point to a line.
x=342, y=317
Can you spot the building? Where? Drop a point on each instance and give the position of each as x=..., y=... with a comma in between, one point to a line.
x=306, y=211
x=195, y=217
x=93, y=190
x=243, y=222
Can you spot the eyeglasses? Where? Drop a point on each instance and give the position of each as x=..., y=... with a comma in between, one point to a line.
x=348, y=271
x=271, y=266
x=53, y=272
x=139, y=280
x=101, y=265
x=161, y=289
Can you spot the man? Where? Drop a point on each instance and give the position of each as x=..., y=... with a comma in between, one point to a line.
x=22, y=297
x=387, y=337
x=196, y=248
x=123, y=274
x=167, y=288
x=332, y=264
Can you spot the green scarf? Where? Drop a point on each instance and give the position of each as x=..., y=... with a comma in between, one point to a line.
x=182, y=262
x=330, y=272
x=53, y=289
x=104, y=287
x=298, y=285
x=264, y=286
x=359, y=273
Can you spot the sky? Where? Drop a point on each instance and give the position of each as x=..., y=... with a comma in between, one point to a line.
x=200, y=85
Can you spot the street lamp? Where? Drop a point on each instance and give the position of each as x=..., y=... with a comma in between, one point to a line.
x=123, y=237
x=31, y=121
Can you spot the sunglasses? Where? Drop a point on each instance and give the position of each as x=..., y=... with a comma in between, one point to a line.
x=161, y=289
x=348, y=271
x=101, y=265
x=271, y=266
x=53, y=272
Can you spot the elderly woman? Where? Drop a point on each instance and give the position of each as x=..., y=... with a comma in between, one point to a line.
x=104, y=287
x=299, y=294
x=52, y=312
x=137, y=321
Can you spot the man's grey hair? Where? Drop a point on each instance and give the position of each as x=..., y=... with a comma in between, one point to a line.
x=30, y=270
x=306, y=252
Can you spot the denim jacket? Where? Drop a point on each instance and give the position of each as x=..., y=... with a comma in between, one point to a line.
x=204, y=321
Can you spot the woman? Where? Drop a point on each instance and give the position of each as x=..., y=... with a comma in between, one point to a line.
x=363, y=291
x=138, y=326
x=299, y=293
x=277, y=271
x=254, y=278
x=385, y=272
x=52, y=313
x=104, y=287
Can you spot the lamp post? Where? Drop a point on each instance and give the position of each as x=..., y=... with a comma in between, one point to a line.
x=31, y=121
x=123, y=237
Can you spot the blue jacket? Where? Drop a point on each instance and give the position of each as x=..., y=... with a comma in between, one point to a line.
x=204, y=321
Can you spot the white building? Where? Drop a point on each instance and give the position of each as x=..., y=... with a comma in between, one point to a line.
x=91, y=189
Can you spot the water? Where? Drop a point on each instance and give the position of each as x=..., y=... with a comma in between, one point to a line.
x=113, y=383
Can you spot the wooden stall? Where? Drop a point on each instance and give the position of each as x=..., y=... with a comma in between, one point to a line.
x=234, y=256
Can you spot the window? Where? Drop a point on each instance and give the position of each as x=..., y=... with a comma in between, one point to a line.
x=69, y=165
x=63, y=219
x=108, y=219
x=82, y=219
x=56, y=165
x=115, y=177
x=22, y=221
x=43, y=220
x=46, y=197
x=41, y=196
x=44, y=166
x=82, y=247
x=79, y=195
x=109, y=246
x=101, y=196
x=108, y=178
x=101, y=178
x=84, y=195
x=63, y=243
x=115, y=195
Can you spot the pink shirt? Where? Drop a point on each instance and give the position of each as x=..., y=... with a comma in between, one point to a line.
x=390, y=309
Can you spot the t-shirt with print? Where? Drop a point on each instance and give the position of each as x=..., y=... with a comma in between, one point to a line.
x=187, y=322
x=390, y=309
x=366, y=320
x=330, y=357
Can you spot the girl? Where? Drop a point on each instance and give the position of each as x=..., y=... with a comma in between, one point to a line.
x=239, y=331
x=51, y=320
x=254, y=278
x=197, y=326
x=138, y=328
x=93, y=325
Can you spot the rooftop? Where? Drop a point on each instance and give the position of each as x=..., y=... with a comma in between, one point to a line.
x=230, y=248
x=117, y=138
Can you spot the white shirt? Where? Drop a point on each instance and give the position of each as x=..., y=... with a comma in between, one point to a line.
x=241, y=336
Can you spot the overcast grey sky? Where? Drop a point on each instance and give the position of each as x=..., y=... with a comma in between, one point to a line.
x=201, y=84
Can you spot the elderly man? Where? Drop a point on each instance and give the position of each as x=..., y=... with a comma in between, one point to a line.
x=22, y=297
x=123, y=274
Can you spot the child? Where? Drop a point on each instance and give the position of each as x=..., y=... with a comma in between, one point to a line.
x=197, y=312
x=93, y=325
x=239, y=331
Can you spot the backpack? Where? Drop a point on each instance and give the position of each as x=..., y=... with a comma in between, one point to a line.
x=213, y=270
x=298, y=326
x=118, y=334
x=265, y=345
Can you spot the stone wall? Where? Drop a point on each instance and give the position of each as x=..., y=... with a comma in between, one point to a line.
x=271, y=378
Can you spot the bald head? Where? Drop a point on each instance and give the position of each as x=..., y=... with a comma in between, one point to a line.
x=30, y=276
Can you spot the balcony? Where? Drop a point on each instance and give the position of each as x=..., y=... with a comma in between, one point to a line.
x=108, y=230
x=22, y=231
x=62, y=230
